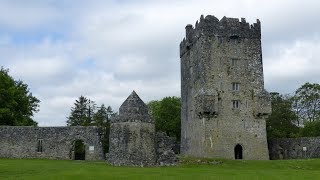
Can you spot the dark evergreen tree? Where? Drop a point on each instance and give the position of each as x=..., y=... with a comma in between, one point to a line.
x=82, y=113
x=102, y=119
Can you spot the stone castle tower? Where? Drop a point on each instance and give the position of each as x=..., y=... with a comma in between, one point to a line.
x=224, y=104
x=132, y=135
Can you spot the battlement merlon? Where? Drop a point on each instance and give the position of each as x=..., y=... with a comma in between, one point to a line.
x=226, y=27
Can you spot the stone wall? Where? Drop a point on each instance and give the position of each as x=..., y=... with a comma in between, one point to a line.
x=57, y=142
x=132, y=144
x=165, y=149
x=294, y=148
x=215, y=54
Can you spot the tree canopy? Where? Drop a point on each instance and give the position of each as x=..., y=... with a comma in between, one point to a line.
x=307, y=102
x=280, y=123
x=298, y=115
x=82, y=113
x=17, y=104
x=311, y=129
x=167, y=115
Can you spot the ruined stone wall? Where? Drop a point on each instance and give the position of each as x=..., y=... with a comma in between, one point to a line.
x=132, y=144
x=214, y=55
x=57, y=142
x=165, y=149
x=294, y=148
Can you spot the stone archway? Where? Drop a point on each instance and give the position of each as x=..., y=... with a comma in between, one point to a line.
x=238, y=152
x=78, y=150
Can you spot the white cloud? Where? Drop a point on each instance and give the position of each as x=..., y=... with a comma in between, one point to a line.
x=39, y=69
x=41, y=63
x=292, y=65
x=25, y=15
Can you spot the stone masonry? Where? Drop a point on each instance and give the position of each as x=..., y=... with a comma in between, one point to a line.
x=56, y=142
x=294, y=148
x=133, y=141
x=132, y=135
x=164, y=149
x=224, y=103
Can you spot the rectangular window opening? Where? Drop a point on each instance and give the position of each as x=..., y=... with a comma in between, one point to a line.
x=236, y=104
x=234, y=62
x=235, y=86
x=40, y=145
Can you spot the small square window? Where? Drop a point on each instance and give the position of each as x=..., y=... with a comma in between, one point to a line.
x=234, y=62
x=235, y=86
x=236, y=104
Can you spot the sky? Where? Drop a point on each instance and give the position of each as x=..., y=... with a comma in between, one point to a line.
x=105, y=49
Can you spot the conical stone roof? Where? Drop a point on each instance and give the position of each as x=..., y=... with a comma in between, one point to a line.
x=133, y=109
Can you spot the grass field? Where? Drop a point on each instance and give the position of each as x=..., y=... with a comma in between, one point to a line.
x=224, y=169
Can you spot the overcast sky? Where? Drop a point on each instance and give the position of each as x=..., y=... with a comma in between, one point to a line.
x=105, y=49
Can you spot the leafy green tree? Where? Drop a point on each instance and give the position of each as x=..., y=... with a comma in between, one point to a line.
x=167, y=115
x=17, y=104
x=82, y=113
x=311, y=129
x=307, y=102
x=281, y=121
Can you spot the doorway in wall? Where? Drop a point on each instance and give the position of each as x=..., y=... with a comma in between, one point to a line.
x=79, y=150
x=238, y=152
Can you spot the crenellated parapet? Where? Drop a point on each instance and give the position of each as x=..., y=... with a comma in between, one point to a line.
x=230, y=28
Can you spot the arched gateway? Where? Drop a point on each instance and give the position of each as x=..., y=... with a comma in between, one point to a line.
x=238, y=152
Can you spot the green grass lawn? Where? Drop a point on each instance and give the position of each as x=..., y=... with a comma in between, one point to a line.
x=225, y=169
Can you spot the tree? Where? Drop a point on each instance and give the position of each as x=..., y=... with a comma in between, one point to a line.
x=102, y=119
x=307, y=102
x=311, y=129
x=17, y=104
x=86, y=113
x=82, y=113
x=281, y=121
x=167, y=115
